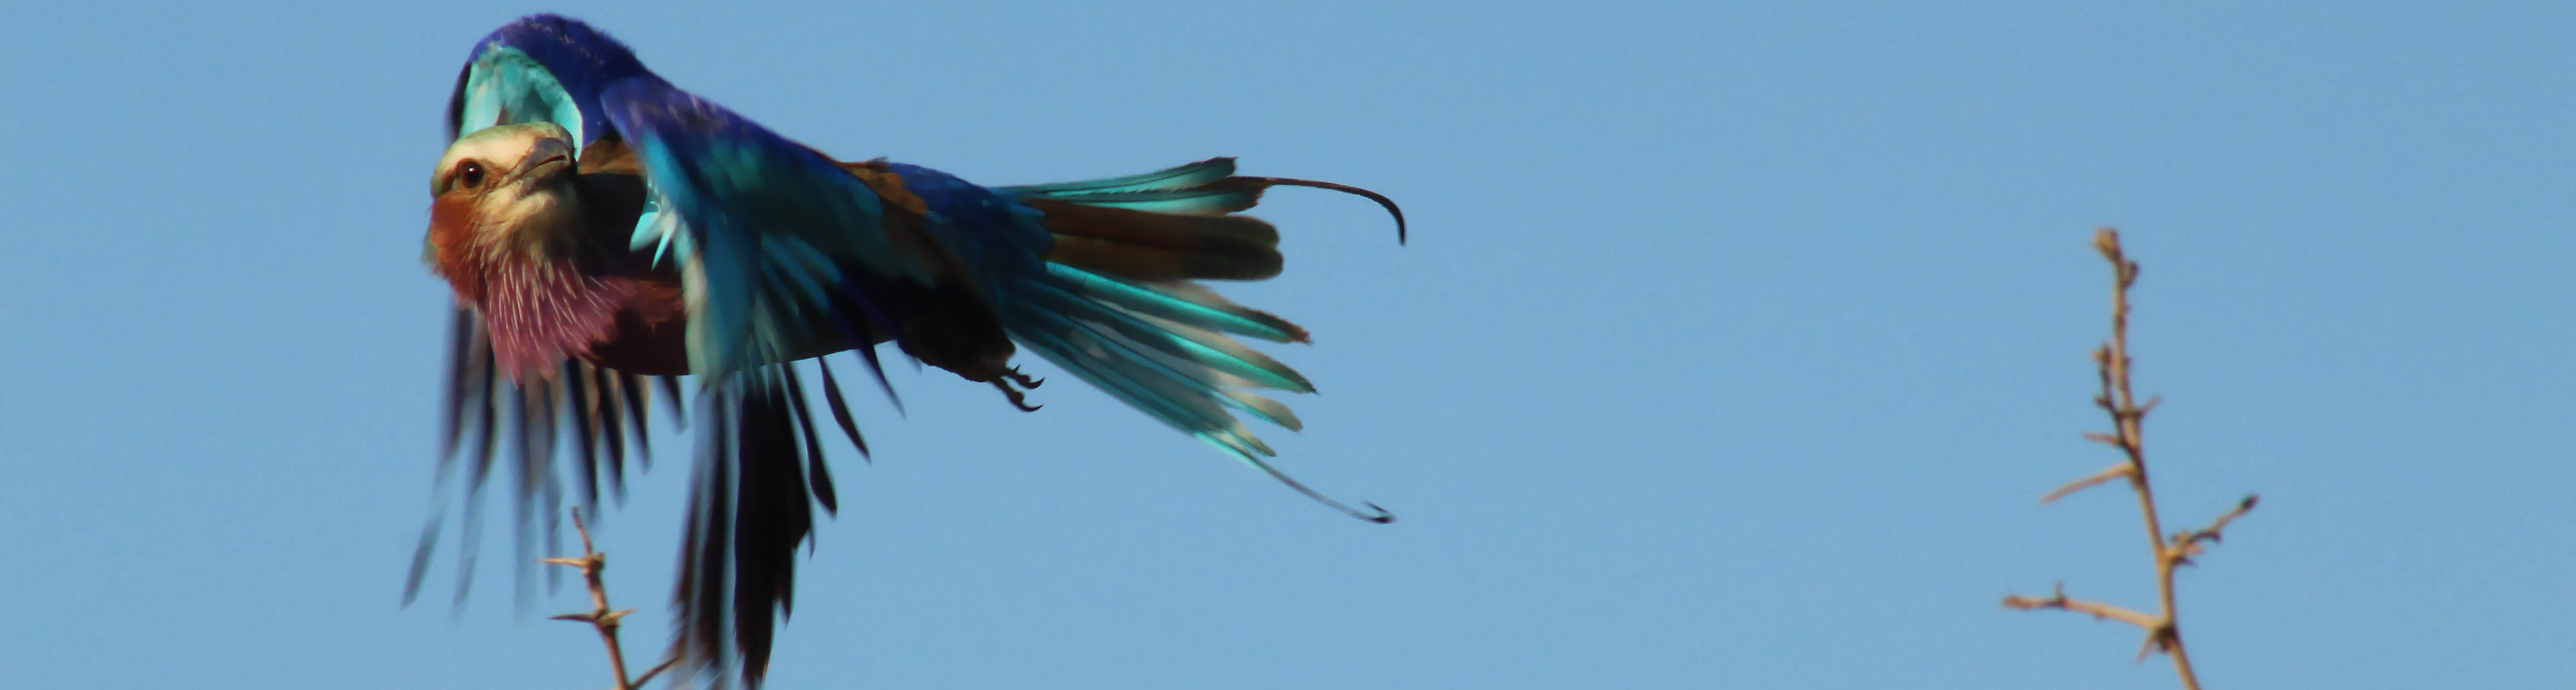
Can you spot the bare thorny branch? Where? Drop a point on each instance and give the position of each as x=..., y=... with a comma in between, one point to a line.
x=599, y=616
x=2127, y=417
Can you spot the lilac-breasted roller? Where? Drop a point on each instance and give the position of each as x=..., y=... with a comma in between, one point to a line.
x=600, y=227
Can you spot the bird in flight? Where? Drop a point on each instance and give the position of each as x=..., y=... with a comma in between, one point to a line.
x=601, y=229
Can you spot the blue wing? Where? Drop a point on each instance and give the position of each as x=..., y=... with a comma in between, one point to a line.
x=770, y=236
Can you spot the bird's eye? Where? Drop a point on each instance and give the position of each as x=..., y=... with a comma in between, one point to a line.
x=470, y=174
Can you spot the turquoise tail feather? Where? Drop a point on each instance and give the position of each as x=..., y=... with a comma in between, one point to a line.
x=1183, y=372
x=1117, y=305
x=1176, y=177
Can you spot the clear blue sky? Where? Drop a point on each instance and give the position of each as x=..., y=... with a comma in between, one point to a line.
x=1732, y=349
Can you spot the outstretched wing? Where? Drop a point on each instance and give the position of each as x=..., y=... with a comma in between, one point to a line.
x=600, y=409
x=540, y=69
x=783, y=255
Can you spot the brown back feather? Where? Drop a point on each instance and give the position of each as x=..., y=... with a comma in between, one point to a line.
x=952, y=324
x=1142, y=245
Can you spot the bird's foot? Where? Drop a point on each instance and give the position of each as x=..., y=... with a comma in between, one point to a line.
x=1018, y=399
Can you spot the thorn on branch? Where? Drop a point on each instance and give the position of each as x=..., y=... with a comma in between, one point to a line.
x=2162, y=639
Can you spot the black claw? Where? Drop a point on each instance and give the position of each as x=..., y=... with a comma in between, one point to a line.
x=1024, y=380
x=1018, y=400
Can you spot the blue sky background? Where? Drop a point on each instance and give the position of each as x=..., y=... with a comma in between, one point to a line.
x=1733, y=347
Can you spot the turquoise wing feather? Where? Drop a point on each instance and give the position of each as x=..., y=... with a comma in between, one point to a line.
x=766, y=232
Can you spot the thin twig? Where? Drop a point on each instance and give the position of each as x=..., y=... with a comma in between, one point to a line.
x=2128, y=418
x=657, y=669
x=2187, y=544
x=600, y=617
x=2115, y=471
x=2058, y=600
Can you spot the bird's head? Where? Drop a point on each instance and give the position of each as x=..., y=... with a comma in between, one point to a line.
x=500, y=193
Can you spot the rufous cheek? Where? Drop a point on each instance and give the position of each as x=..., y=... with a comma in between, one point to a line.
x=451, y=229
